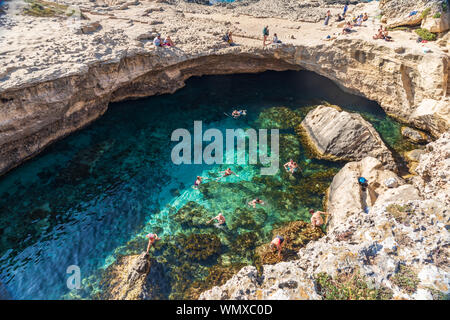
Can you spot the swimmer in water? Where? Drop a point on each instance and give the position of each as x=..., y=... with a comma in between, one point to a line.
x=226, y=173
x=237, y=113
x=220, y=218
x=291, y=166
x=277, y=243
x=316, y=217
x=256, y=201
x=198, y=181
x=152, y=237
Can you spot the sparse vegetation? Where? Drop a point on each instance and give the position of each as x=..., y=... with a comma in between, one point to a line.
x=426, y=35
x=425, y=12
x=406, y=279
x=39, y=8
x=437, y=15
x=349, y=286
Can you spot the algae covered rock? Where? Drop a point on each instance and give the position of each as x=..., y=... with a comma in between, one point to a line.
x=296, y=234
x=339, y=135
x=247, y=218
x=278, y=118
x=414, y=135
x=192, y=215
x=200, y=247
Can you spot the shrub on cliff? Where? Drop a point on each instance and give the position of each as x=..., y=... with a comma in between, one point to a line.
x=406, y=279
x=349, y=286
x=426, y=35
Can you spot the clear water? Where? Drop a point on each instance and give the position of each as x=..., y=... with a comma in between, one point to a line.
x=94, y=195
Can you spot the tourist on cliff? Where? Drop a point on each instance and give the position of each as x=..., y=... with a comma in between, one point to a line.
x=347, y=29
x=275, y=39
x=345, y=8
x=339, y=18
x=168, y=42
x=152, y=238
x=327, y=17
x=265, y=35
x=256, y=201
x=157, y=41
x=277, y=243
x=316, y=218
x=220, y=218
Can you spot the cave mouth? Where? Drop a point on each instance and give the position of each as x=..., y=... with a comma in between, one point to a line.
x=91, y=197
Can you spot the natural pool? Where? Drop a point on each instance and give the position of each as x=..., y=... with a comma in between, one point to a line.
x=93, y=196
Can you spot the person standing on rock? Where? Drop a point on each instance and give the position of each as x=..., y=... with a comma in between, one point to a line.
x=345, y=8
x=277, y=243
x=327, y=17
x=316, y=218
x=220, y=218
x=265, y=35
x=152, y=237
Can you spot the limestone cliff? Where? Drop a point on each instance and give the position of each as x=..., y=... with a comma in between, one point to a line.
x=59, y=74
x=392, y=237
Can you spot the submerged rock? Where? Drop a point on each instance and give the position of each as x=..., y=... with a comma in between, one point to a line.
x=278, y=118
x=296, y=234
x=334, y=134
x=399, y=247
x=414, y=135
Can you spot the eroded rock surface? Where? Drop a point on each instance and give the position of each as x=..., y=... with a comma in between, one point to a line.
x=398, y=242
x=339, y=135
x=55, y=79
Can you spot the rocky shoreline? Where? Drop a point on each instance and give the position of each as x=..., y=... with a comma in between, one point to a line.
x=44, y=102
x=392, y=236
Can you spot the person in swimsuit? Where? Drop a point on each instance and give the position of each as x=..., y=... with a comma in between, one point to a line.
x=265, y=35
x=220, y=218
x=227, y=173
x=277, y=243
x=256, y=201
x=152, y=237
x=198, y=182
x=316, y=217
x=237, y=113
x=287, y=166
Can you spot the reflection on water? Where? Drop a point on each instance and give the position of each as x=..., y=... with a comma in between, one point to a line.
x=94, y=195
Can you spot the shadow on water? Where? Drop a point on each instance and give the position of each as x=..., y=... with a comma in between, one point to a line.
x=89, y=197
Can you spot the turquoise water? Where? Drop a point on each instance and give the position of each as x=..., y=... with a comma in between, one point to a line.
x=93, y=196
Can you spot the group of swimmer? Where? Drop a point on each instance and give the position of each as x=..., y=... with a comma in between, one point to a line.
x=277, y=243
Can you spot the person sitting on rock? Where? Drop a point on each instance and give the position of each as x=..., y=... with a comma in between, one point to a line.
x=168, y=42
x=359, y=21
x=339, y=18
x=365, y=16
x=157, y=41
x=363, y=183
x=316, y=217
x=152, y=238
x=347, y=29
x=275, y=39
x=386, y=35
x=380, y=34
x=220, y=218
x=277, y=243
x=256, y=201
x=227, y=173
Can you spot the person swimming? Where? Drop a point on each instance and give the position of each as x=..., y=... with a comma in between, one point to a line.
x=152, y=238
x=198, y=181
x=256, y=201
x=237, y=113
x=316, y=217
x=291, y=166
x=227, y=173
x=220, y=218
x=277, y=243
